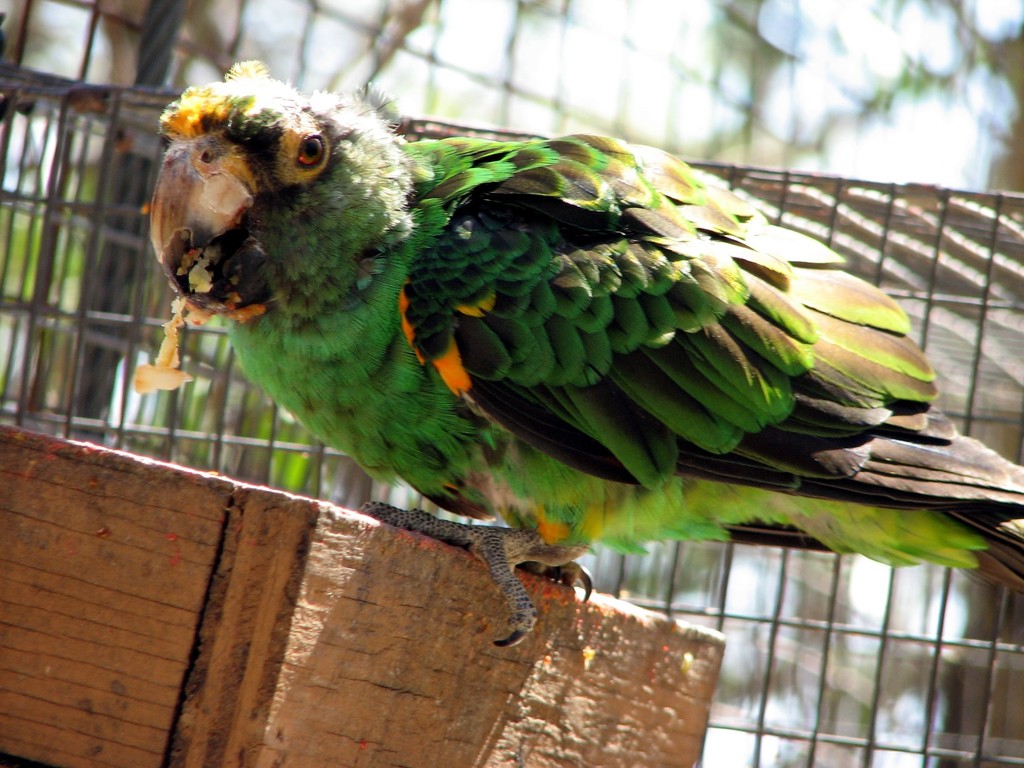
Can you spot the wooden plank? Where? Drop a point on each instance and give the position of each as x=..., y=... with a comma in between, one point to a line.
x=364, y=684
x=246, y=628
x=105, y=567
x=389, y=661
x=155, y=616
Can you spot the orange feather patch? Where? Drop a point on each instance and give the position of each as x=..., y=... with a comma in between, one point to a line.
x=479, y=309
x=552, y=532
x=196, y=105
x=449, y=365
x=407, y=329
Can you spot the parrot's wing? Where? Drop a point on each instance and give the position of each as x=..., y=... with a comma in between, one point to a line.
x=603, y=305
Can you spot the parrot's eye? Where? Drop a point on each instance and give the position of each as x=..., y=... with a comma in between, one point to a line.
x=311, y=150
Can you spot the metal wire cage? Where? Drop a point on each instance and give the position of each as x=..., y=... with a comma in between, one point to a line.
x=831, y=660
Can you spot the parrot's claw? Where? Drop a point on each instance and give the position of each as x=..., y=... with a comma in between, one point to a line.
x=570, y=574
x=501, y=549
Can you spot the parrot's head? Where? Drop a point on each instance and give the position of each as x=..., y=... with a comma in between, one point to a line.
x=270, y=197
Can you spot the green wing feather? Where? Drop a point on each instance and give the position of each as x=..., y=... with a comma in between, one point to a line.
x=614, y=279
x=614, y=313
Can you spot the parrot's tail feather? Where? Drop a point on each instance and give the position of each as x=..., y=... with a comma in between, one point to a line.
x=964, y=462
x=875, y=470
x=962, y=475
x=896, y=469
x=1003, y=564
x=958, y=477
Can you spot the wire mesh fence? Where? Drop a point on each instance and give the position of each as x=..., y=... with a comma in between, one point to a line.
x=831, y=660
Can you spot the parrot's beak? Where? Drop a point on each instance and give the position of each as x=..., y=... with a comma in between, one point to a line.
x=200, y=228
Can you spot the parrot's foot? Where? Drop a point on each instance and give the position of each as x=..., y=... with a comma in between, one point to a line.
x=501, y=549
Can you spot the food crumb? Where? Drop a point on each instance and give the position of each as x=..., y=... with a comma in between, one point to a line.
x=200, y=279
x=164, y=372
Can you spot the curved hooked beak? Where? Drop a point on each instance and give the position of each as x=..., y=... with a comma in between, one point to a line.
x=200, y=228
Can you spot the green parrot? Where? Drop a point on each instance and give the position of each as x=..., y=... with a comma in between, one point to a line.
x=572, y=334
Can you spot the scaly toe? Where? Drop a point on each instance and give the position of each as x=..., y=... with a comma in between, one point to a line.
x=501, y=549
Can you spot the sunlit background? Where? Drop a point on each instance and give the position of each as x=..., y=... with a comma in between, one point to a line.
x=890, y=90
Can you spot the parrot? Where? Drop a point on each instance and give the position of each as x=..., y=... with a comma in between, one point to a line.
x=579, y=336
